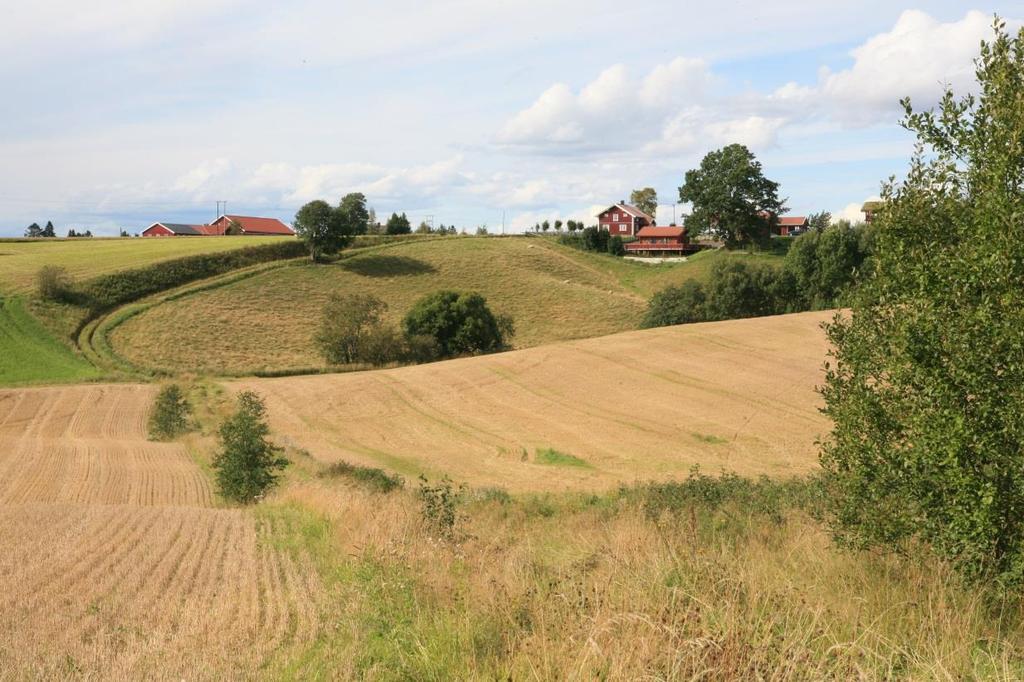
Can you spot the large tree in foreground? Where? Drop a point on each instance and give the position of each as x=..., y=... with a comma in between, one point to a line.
x=731, y=197
x=926, y=384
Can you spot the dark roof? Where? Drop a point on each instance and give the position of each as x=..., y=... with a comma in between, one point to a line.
x=181, y=228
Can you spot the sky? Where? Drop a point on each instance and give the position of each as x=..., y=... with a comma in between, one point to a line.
x=116, y=115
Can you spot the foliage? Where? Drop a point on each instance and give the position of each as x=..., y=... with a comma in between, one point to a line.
x=352, y=213
x=819, y=221
x=616, y=246
x=439, y=506
x=34, y=231
x=121, y=287
x=53, y=283
x=171, y=414
x=825, y=264
x=926, y=384
x=324, y=230
x=736, y=290
x=557, y=458
x=347, y=324
x=49, y=231
x=458, y=322
x=373, y=479
x=676, y=305
x=30, y=354
x=247, y=464
x=398, y=224
x=645, y=199
x=729, y=193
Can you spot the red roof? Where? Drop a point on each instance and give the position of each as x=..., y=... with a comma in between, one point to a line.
x=793, y=220
x=251, y=225
x=651, y=231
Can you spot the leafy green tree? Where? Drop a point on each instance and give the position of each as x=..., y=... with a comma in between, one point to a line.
x=352, y=213
x=645, y=199
x=234, y=229
x=459, y=323
x=816, y=222
x=545, y=226
x=731, y=197
x=676, y=305
x=319, y=226
x=34, y=230
x=247, y=464
x=926, y=384
x=398, y=224
x=825, y=264
x=423, y=228
x=348, y=323
x=171, y=414
x=558, y=226
x=595, y=239
x=736, y=290
x=48, y=231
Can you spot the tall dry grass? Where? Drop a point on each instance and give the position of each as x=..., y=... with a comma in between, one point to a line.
x=595, y=588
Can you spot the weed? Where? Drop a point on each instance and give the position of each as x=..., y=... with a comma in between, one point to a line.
x=439, y=505
x=375, y=480
x=556, y=458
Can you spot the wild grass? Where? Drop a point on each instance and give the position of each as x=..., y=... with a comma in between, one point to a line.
x=371, y=478
x=556, y=458
x=609, y=587
x=30, y=354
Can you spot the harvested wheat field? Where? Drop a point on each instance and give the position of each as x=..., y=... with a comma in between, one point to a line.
x=113, y=561
x=736, y=395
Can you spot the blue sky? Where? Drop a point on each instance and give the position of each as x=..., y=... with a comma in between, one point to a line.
x=121, y=114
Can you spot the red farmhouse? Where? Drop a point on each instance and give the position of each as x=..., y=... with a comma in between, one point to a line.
x=653, y=241
x=246, y=225
x=790, y=224
x=623, y=220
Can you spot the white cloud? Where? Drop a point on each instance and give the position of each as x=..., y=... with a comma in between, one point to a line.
x=852, y=212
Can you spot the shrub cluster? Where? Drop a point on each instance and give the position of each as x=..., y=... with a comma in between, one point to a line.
x=442, y=324
x=820, y=270
x=594, y=239
x=108, y=291
x=53, y=283
x=439, y=506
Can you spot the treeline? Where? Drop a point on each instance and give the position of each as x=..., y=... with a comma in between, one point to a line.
x=594, y=239
x=108, y=291
x=819, y=270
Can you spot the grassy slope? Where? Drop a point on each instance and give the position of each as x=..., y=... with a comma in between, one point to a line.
x=30, y=354
x=85, y=258
x=553, y=292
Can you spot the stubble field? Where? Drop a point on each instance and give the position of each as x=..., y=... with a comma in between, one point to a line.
x=115, y=563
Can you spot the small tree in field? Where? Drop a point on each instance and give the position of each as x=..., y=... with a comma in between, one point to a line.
x=348, y=324
x=171, y=414
x=320, y=227
x=247, y=464
x=458, y=323
x=926, y=385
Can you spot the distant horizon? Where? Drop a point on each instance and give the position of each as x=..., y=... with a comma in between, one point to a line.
x=119, y=117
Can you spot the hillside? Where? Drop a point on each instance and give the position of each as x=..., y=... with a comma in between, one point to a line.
x=267, y=322
x=738, y=395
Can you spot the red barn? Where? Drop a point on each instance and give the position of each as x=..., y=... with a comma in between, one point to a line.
x=246, y=225
x=653, y=241
x=173, y=230
x=623, y=220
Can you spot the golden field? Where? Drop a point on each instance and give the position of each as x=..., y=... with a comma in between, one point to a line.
x=738, y=395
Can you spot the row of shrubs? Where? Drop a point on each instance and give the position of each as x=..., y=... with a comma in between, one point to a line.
x=443, y=324
x=118, y=288
x=594, y=239
x=819, y=271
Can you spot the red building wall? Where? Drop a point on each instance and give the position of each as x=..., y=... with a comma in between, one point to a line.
x=157, y=231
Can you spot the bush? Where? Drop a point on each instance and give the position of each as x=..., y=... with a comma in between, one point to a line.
x=53, y=283
x=247, y=464
x=458, y=323
x=117, y=288
x=925, y=385
x=825, y=264
x=375, y=480
x=676, y=305
x=616, y=246
x=351, y=329
x=171, y=415
x=439, y=505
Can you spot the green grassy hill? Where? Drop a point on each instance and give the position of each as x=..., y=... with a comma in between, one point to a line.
x=267, y=322
x=31, y=354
